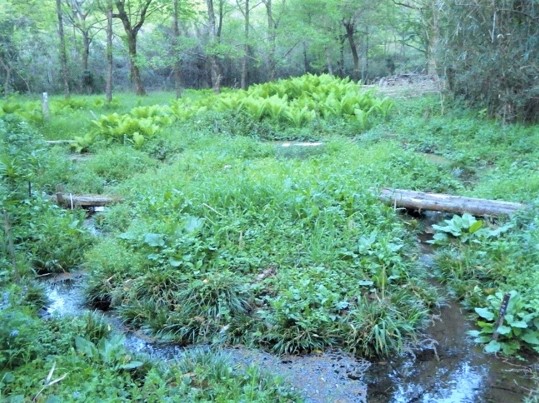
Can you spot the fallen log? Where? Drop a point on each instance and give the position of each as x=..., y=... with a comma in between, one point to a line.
x=59, y=142
x=71, y=201
x=453, y=204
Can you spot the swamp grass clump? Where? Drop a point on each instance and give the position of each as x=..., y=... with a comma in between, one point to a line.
x=224, y=239
x=489, y=263
x=206, y=228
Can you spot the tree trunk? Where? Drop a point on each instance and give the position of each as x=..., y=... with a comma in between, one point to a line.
x=215, y=71
x=245, y=60
x=453, y=204
x=328, y=60
x=433, y=39
x=63, y=52
x=341, y=55
x=7, y=78
x=306, y=66
x=350, y=31
x=131, y=32
x=135, y=71
x=365, y=69
x=85, y=49
x=87, y=79
x=271, y=39
x=108, y=85
x=176, y=43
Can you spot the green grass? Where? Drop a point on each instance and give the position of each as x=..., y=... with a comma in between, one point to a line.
x=225, y=238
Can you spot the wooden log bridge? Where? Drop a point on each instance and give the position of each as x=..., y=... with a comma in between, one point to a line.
x=72, y=201
x=453, y=204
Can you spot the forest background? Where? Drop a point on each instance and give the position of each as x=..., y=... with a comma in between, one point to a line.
x=487, y=51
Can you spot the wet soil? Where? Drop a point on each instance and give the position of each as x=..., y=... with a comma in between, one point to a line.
x=332, y=376
x=447, y=367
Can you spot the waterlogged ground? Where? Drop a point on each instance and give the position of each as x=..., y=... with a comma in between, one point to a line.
x=446, y=367
x=325, y=377
x=450, y=369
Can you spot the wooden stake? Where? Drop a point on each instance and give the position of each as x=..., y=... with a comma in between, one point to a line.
x=45, y=106
x=501, y=315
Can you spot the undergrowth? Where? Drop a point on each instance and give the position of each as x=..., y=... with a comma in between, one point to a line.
x=223, y=238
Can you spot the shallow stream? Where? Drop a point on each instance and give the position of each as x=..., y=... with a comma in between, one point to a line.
x=447, y=368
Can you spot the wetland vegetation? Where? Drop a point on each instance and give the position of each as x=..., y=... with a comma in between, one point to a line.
x=224, y=237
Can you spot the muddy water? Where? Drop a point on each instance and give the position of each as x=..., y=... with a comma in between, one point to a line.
x=329, y=377
x=448, y=367
x=453, y=370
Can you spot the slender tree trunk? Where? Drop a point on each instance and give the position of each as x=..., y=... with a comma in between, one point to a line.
x=365, y=69
x=245, y=60
x=341, y=55
x=7, y=78
x=108, y=85
x=176, y=43
x=306, y=66
x=433, y=40
x=135, y=71
x=131, y=32
x=85, y=49
x=350, y=31
x=271, y=39
x=63, y=52
x=329, y=63
x=215, y=70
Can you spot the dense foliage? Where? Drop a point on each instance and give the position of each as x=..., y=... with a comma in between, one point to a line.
x=491, y=54
x=225, y=238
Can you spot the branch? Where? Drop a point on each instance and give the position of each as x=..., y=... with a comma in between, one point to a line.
x=398, y=3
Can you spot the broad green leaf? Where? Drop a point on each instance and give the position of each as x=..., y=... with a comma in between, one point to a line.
x=154, y=240
x=493, y=347
x=531, y=338
x=193, y=224
x=475, y=227
x=365, y=283
x=84, y=346
x=503, y=330
x=175, y=262
x=485, y=313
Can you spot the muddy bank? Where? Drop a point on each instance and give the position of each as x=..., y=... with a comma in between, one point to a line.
x=449, y=366
x=446, y=367
x=329, y=377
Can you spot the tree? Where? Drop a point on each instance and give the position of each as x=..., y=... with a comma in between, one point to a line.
x=63, y=52
x=133, y=14
x=81, y=15
x=424, y=24
x=214, y=34
x=108, y=83
x=176, y=43
x=245, y=9
x=490, y=55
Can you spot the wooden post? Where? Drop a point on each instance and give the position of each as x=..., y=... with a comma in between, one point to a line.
x=501, y=315
x=45, y=106
x=10, y=246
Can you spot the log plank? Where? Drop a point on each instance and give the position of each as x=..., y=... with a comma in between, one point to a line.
x=71, y=201
x=442, y=202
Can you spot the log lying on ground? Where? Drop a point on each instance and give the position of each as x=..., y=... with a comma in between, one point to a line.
x=59, y=142
x=71, y=201
x=453, y=204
